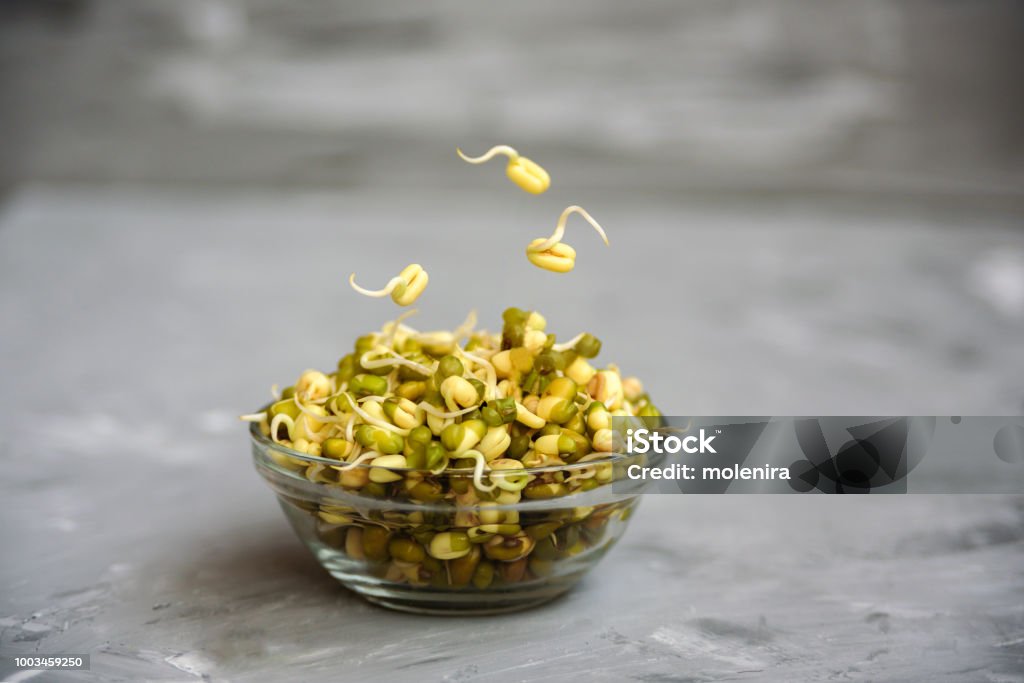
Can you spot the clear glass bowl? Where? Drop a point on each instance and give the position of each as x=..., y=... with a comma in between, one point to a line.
x=383, y=547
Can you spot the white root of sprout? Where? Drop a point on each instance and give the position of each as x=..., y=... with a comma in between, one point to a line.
x=509, y=481
x=485, y=353
x=276, y=423
x=478, y=469
x=370, y=419
x=437, y=338
x=440, y=414
x=440, y=337
x=491, y=389
x=317, y=435
x=260, y=418
x=377, y=293
x=440, y=468
x=565, y=346
x=365, y=457
x=389, y=330
x=394, y=360
x=331, y=419
x=466, y=328
x=357, y=449
x=406, y=329
x=489, y=154
x=556, y=236
x=314, y=471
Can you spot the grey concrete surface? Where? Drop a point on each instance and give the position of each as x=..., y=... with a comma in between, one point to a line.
x=814, y=208
x=137, y=323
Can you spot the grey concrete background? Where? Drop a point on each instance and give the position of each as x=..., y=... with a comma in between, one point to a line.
x=814, y=209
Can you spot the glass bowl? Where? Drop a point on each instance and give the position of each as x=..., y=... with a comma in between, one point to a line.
x=447, y=556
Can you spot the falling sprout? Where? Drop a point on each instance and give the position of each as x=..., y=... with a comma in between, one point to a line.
x=525, y=173
x=551, y=254
x=404, y=288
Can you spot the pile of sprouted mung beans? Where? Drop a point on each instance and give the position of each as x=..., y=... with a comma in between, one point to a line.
x=456, y=417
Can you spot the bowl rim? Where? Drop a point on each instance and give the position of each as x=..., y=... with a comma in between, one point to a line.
x=266, y=442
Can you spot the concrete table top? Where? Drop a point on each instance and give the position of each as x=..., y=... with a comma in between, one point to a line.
x=139, y=323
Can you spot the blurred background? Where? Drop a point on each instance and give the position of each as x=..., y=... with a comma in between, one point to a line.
x=814, y=208
x=832, y=190
x=900, y=98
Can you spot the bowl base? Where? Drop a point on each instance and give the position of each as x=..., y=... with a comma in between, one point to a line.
x=342, y=538
x=444, y=607
x=463, y=601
